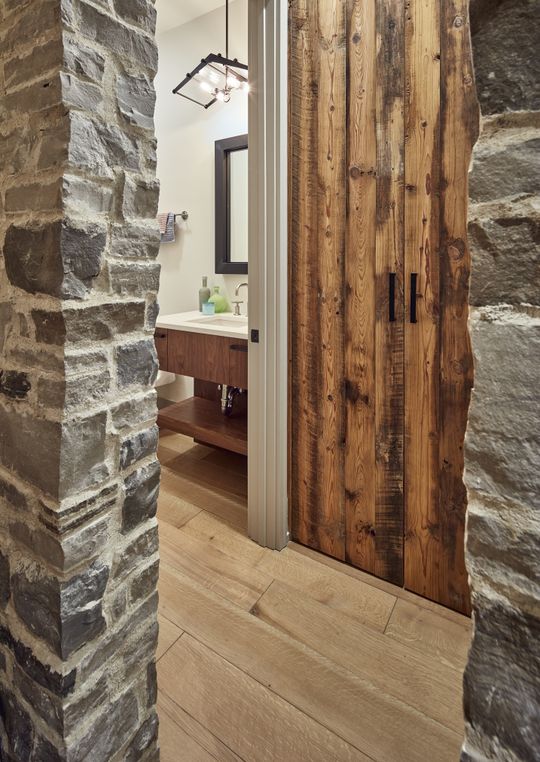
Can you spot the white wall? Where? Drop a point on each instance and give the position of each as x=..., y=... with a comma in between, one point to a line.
x=186, y=135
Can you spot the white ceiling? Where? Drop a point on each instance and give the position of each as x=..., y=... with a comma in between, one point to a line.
x=173, y=13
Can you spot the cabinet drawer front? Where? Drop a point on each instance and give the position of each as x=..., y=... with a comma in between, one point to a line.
x=161, y=337
x=199, y=356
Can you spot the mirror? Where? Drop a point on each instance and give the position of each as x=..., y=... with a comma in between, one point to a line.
x=232, y=205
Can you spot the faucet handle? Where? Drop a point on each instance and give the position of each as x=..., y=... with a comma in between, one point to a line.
x=237, y=308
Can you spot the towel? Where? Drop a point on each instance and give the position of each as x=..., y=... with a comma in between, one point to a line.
x=166, y=227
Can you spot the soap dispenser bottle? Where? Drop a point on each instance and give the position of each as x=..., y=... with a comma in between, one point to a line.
x=204, y=293
x=220, y=302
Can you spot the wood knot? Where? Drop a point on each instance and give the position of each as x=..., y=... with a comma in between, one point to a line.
x=356, y=38
x=456, y=249
x=458, y=22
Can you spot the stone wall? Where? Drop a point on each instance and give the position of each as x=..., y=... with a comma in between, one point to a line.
x=502, y=681
x=78, y=471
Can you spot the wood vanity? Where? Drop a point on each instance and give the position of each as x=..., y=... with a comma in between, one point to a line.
x=211, y=360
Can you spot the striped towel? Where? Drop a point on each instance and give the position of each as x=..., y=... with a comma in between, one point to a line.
x=166, y=227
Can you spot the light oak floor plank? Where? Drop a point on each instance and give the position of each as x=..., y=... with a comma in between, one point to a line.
x=176, y=745
x=252, y=720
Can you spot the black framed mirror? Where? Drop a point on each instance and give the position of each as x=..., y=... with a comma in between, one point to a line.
x=232, y=205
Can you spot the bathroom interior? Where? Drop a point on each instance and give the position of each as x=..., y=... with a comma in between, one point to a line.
x=201, y=332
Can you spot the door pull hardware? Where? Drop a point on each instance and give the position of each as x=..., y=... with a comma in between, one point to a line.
x=392, y=297
x=414, y=297
x=238, y=347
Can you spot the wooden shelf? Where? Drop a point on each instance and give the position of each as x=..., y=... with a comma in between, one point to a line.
x=202, y=419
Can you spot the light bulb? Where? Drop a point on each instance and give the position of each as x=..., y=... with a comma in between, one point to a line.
x=232, y=81
x=246, y=87
x=220, y=95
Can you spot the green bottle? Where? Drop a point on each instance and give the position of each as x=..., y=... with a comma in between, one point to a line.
x=220, y=302
x=204, y=293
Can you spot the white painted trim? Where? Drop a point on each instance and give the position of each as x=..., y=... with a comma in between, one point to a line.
x=268, y=378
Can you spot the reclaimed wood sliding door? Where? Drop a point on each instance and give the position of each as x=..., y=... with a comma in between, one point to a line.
x=381, y=110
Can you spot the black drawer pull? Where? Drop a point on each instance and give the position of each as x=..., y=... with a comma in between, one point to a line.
x=414, y=296
x=160, y=336
x=392, y=297
x=238, y=348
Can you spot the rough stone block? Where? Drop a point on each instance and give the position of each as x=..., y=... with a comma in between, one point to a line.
x=64, y=614
x=74, y=393
x=130, y=279
x=100, y=148
x=83, y=61
x=140, y=199
x=82, y=462
x=136, y=100
x=503, y=437
x=146, y=735
x=136, y=364
x=505, y=36
x=59, y=259
x=103, y=29
x=141, y=12
x=141, y=548
x=505, y=246
x=31, y=448
x=47, y=706
x=134, y=412
x=13, y=496
x=144, y=583
x=110, y=731
x=140, y=502
x=138, y=446
x=84, y=197
x=88, y=323
x=77, y=710
x=506, y=163
x=17, y=725
x=504, y=673
x=78, y=94
x=36, y=197
x=135, y=241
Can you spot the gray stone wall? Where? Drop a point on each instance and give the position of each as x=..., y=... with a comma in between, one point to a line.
x=502, y=680
x=78, y=471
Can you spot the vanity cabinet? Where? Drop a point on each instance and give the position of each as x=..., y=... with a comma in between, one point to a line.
x=211, y=361
x=209, y=358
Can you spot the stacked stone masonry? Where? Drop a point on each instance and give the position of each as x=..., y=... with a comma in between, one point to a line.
x=502, y=680
x=78, y=471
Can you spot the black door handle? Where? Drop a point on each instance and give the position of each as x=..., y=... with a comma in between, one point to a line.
x=392, y=297
x=413, y=296
x=238, y=348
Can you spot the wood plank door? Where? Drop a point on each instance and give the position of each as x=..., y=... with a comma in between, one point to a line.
x=382, y=115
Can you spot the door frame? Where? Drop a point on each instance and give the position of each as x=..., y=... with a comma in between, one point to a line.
x=268, y=519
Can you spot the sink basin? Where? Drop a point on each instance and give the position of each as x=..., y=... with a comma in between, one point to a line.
x=219, y=320
x=226, y=324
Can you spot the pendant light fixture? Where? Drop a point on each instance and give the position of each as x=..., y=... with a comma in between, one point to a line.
x=217, y=76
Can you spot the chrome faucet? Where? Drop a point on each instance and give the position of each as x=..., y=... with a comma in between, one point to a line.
x=237, y=303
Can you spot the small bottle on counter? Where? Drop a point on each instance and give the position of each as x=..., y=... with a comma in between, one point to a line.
x=204, y=293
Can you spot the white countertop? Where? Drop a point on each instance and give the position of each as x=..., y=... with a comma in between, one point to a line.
x=223, y=324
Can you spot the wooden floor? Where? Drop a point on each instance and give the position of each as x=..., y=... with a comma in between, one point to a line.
x=278, y=657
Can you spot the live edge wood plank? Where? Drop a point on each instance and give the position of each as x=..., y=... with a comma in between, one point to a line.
x=459, y=131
